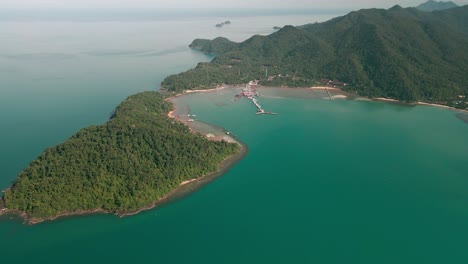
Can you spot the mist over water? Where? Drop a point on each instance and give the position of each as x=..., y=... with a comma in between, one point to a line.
x=324, y=181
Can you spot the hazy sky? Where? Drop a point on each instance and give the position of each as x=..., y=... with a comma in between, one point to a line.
x=208, y=3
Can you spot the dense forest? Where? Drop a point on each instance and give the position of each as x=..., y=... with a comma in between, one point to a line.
x=399, y=53
x=135, y=158
x=216, y=46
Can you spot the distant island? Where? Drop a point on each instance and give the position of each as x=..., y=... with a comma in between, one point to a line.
x=431, y=5
x=276, y=28
x=124, y=166
x=223, y=23
x=400, y=53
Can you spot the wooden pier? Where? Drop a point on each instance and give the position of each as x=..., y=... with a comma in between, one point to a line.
x=250, y=92
x=260, y=110
x=326, y=89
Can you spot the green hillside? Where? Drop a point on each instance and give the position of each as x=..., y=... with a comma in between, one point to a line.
x=398, y=53
x=216, y=46
x=129, y=162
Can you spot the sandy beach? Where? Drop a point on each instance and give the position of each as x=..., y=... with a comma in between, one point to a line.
x=385, y=99
x=205, y=90
x=323, y=88
x=195, y=124
x=439, y=105
x=390, y=100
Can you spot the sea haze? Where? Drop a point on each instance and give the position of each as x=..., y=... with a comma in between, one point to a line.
x=325, y=181
x=129, y=14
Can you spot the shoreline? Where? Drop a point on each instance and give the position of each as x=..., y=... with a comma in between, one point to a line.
x=418, y=103
x=389, y=100
x=343, y=95
x=189, y=186
x=184, y=188
x=347, y=95
x=216, y=135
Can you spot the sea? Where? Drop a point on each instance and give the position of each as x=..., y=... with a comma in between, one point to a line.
x=324, y=181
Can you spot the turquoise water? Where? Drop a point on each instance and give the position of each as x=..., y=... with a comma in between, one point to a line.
x=59, y=76
x=325, y=181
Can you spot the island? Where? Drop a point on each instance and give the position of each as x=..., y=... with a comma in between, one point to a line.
x=223, y=23
x=401, y=53
x=142, y=155
x=126, y=165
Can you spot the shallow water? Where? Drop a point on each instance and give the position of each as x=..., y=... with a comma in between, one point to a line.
x=343, y=181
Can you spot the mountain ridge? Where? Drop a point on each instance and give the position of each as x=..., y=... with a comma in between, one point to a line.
x=399, y=53
x=432, y=5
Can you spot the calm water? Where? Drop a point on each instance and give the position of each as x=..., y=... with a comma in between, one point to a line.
x=324, y=182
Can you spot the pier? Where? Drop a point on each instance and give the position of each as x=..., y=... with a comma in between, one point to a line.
x=250, y=92
x=326, y=89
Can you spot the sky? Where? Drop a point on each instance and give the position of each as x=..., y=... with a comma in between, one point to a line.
x=209, y=3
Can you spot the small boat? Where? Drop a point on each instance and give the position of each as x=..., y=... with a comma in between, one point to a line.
x=190, y=120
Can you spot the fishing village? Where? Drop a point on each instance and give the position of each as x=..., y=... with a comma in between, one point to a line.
x=250, y=92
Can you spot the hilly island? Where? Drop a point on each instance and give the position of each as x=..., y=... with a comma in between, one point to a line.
x=400, y=53
x=141, y=155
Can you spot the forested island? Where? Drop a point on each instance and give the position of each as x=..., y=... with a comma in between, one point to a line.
x=400, y=53
x=136, y=158
x=140, y=155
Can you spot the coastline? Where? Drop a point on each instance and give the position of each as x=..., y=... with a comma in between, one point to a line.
x=189, y=186
x=341, y=95
x=181, y=190
x=418, y=103
x=194, y=125
x=388, y=100
x=384, y=99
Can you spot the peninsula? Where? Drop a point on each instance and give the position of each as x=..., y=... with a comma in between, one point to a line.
x=123, y=166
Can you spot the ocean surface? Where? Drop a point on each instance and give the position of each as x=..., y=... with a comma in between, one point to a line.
x=325, y=181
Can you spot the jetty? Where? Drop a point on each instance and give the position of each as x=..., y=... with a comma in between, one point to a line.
x=250, y=92
x=329, y=95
